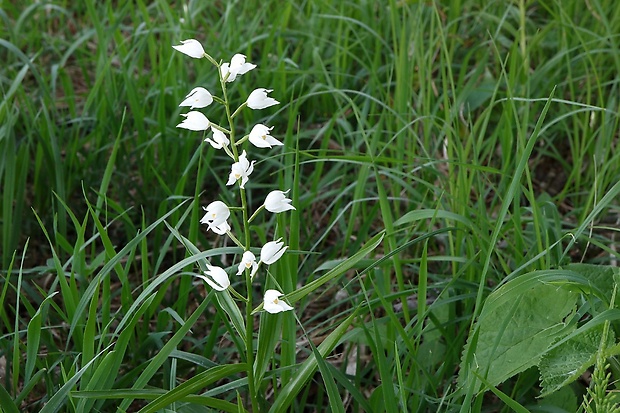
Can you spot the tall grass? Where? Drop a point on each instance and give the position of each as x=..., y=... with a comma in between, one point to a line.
x=425, y=120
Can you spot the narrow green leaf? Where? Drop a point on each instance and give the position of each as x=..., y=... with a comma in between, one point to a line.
x=510, y=402
x=6, y=402
x=336, y=271
x=28, y=386
x=34, y=338
x=165, y=351
x=335, y=400
x=58, y=399
x=291, y=390
x=223, y=298
x=150, y=394
x=268, y=336
x=193, y=385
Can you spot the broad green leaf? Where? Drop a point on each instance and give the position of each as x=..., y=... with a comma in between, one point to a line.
x=508, y=401
x=600, y=276
x=518, y=323
x=563, y=400
x=564, y=364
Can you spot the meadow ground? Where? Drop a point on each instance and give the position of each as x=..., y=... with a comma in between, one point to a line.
x=455, y=173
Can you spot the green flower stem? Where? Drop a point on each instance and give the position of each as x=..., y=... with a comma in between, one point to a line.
x=249, y=320
x=239, y=109
x=240, y=141
x=234, y=239
x=212, y=60
x=256, y=213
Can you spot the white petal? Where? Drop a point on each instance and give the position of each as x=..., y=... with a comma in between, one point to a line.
x=258, y=99
x=199, y=97
x=225, y=70
x=237, y=67
x=247, y=261
x=216, y=213
x=219, y=139
x=191, y=47
x=216, y=277
x=220, y=229
x=272, y=251
x=276, y=202
x=195, y=121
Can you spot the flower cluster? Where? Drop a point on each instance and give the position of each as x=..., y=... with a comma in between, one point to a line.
x=217, y=212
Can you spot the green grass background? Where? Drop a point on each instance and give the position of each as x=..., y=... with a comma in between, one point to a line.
x=412, y=117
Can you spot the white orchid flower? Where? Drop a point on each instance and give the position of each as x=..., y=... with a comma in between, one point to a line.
x=241, y=170
x=276, y=202
x=236, y=67
x=195, y=121
x=191, y=47
x=219, y=139
x=274, y=305
x=216, y=277
x=260, y=137
x=215, y=217
x=258, y=99
x=199, y=97
x=247, y=261
x=272, y=251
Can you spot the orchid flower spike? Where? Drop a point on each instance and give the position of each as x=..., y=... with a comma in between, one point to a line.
x=272, y=251
x=195, y=121
x=247, y=261
x=258, y=99
x=236, y=67
x=260, y=137
x=216, y=277
x=191, y=47
x=215, y=217
x=199, y=97
x=276, y=202
x=241, y=170
x=272, y=304
x=219, y=139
